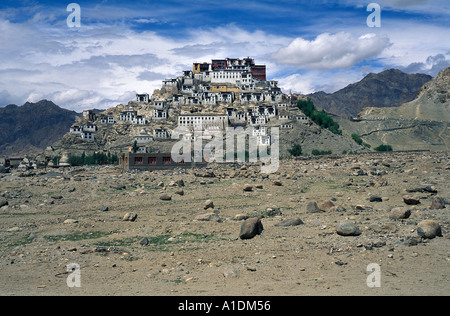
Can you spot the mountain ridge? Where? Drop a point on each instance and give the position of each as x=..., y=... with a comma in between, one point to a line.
x=389, y=88
x=32, y=127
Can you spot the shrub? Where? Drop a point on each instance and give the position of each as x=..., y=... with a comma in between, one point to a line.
x=357, y=139
x=317, y=152
x=383, y=148
x=296, y=150
x=321, y=118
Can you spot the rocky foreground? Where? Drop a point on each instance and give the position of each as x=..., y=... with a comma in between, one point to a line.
x=312, y=228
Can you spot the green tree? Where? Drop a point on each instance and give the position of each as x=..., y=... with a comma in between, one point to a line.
x=321, y=118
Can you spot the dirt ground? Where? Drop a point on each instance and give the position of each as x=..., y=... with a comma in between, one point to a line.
x=55, y=218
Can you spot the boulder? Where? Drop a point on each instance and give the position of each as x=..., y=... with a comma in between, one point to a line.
x=312, y=207
x=247, y=188
x=70, y=221
x=437, y=203
x=347, y=228
x=165, y=197
x=250, y=228
x=129, y=217
x=411, y=199
x=326, y=205
x=208, y=204
x=240, y=217
x=208, y=217
x=428, y=229
x=272, y=211
x=375, y=198
x=399, y=213
x=290, y=222
x=180, y=182
x=3, y=201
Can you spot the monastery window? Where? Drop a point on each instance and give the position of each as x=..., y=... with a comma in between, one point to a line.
x=167, y=160
x=152, y=160
x=138, y=160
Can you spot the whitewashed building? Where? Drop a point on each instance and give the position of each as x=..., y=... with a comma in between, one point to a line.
x=142, y=97
x=88, y=136
x=203, y=120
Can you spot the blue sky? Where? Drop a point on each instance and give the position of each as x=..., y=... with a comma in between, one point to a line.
x=125, y=47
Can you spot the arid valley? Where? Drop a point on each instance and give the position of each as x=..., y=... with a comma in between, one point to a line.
x=177, y=232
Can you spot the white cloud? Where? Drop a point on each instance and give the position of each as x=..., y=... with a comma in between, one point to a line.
x=101, y=65
x=104, y=65
x=313, y=80
x=331, y=51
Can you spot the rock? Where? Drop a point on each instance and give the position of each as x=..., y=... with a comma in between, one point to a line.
x=230, y=272
x=57, y=197
x=208, y=204
x=105, y=208
x=120, y=187
x=130, y=217
x=437, y=203
x=426, y=189
x=409, y=241
x=250, y=228
x=70, y=221
x=205, y=174
x=208, y=217
x=428, y=229
x=3, y=201
x=399, y=213
x=312, y=207
x=375, y=198
x=180, y=192
x=272, y=211
x=165, y=197
x=247, y=188
x=411, y=199
x=180, y=182
x=290, y=222
x=144, y=241
x=240, y=217
x=326, y=205
x=360, y=172
x=347, y=228
x=277, y=183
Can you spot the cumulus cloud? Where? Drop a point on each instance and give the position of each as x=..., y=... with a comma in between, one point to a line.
x=431, y=66
x=331, y=51
x=100, y=66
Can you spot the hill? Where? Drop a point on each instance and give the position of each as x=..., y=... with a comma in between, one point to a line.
x=421, y=124
x=32, y=127
x=389, y=88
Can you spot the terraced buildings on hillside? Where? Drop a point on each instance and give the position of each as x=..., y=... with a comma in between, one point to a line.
x=225, y=92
